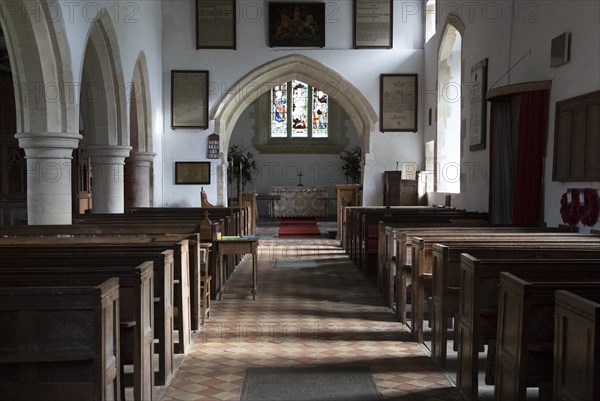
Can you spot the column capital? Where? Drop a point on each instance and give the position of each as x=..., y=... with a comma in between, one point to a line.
x=142, y=159
x=48, y=145
x=108, y=154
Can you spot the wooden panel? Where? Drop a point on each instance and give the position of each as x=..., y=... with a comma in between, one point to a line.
x=592, y=144
x=562, y=150
x=577, y=139
x=576, y=364
x=578, y=142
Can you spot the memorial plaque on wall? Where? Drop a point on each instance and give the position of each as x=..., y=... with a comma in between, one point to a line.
x=478, y=103
x=189, y=99
x=215, y=24
x=192, y=173
x=398, y=102
x=212, y=147
x=373, y=24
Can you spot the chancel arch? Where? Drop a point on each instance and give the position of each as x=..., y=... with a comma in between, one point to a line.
x=293, y=67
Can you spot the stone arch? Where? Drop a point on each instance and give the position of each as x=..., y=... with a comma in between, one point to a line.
x=140, y=107
x=102, y=95
x=45, y=105
x=284, y=69
x=41, y=65
x=138, y=166
x=103, y=109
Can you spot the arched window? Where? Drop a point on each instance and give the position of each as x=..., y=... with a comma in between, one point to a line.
x=449, y=112
x=299, y=110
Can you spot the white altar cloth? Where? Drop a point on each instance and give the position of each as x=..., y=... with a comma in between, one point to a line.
x=300, y=201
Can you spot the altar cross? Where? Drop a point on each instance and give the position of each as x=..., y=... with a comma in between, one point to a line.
x=300, y=178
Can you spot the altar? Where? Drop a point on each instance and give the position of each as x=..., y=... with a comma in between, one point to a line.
x=300, y=201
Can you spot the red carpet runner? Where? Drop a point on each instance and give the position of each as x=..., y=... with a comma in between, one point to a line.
x=298, y=227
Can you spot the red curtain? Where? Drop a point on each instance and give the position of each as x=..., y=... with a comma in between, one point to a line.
x=533, y=126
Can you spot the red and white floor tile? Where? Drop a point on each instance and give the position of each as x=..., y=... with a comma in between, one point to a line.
x=305, y=316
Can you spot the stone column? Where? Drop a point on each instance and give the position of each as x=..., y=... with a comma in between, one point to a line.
x=108, y=183
x=138, y=179
x=49, y=198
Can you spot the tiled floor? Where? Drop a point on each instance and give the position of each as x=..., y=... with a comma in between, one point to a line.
x=305, y=316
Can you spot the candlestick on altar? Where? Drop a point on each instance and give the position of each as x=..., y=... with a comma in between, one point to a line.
x=300, y=178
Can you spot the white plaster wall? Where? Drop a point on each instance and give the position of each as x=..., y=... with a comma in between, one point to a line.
x=226, y=67
x=517, y=45
x=486, y=35
x=138, y=29
x=581, y=75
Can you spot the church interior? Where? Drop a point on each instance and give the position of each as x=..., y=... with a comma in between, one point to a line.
x=350, y=200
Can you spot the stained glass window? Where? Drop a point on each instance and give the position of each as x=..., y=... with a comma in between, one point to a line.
x=279, y=111
x=320, y=112
x=308, y=115
x=300, y=109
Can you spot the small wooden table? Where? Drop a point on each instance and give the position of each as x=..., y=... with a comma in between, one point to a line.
x=237, y=246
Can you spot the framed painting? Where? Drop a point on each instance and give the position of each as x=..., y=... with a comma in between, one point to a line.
x=189, y=99
x=192, y=173
x=296, y=24
x=398, y=102
x=215, y=24
x=373, y=24
x=478, y=109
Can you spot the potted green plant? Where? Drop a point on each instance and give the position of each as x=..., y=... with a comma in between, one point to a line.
x=239, y=158
x=351, y=164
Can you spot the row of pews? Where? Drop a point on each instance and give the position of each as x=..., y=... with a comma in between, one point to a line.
x=89, y=309
x=529, y=297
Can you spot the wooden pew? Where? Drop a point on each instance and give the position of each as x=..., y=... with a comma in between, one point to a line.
x=184, y=256
x=135, y=307
x=422, y=260
x=446, y=273
x=525, y=340
x=186, y=224
x=233, y=218
x=367, y=237
x=197, y=234
x=107, y=255
x=357, y=227
x=478, y=303
x=351, y=218
x=576, y=362
x=60, y=342
x=241, y=217
x=393, y=249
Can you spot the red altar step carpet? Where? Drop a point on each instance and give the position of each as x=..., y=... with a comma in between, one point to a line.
x=298, y=227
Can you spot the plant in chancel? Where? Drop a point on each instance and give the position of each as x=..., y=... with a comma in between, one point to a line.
x=351, y=164
x=238, y=158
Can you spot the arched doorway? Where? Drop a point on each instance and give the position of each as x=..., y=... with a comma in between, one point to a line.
x=293, y=67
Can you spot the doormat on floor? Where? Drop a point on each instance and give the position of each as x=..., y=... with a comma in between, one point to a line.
x=310, y=384
x=295, y=263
